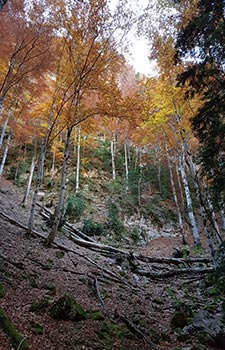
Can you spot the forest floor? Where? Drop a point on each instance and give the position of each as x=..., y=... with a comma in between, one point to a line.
x=136, y=312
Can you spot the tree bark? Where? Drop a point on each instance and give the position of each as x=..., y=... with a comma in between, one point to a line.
x=222, y=218
x=189, y=202
x=37, y=185
x=5, y=153
x=77, y=180
x=112, y=148
x=29, y=181
x=59, y=210
x=126, y=168
x=140, y=177
x=5, y=125
x=180, y=221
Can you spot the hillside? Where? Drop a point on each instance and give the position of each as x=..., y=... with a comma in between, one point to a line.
x=133, y=311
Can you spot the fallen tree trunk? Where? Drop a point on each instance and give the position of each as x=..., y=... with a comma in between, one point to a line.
x=173, y=273
x=69, y=227
x=105, y=248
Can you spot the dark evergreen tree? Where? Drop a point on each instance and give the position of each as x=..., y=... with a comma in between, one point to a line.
x=202, y=44
x=2, y=3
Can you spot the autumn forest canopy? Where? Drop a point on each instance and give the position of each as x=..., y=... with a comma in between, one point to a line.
x=112, y=182
x=75, y=116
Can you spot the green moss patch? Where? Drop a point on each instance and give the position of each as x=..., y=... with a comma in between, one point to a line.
x=36, y=328
x=16, y=338
x=67, y=309
x=109, y=333
x=39, y=306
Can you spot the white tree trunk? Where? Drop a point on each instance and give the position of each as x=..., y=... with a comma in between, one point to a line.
x=5, y=153
x=140, y=177
x=222, y=218
x=189, y=202
x=126, y=168
x=112, y=148
x=4, y=127
x=52, y=171
x=180, y=221
x=29, y=181
x=37, y=185
x=77, y=180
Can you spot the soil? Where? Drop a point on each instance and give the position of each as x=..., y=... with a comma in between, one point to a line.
x=32, y=272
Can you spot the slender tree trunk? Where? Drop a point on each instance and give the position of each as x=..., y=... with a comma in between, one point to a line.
x=112, y=143
x=213, y=219
x=4, y=127
x=140, y=177
x=126, y=168
x=59, y=211
x=37, y=185
x=180, y=187
x=180, y=221
x=5, y=153
x=182, y=150
x=52, y=171
x=159, y=170
x=29, y=181
x=222, y=218
x=77, y=180
x=189, y=202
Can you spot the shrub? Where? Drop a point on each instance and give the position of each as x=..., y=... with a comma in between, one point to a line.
x=75, y=206
x=91, y=228
x=114, y=221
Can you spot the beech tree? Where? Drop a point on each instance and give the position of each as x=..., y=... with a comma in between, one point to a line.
x=91, y=57
x=24, y=48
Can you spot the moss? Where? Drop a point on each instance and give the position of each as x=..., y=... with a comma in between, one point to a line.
x=158, y=301
x=39, y=306
x=2, y=292
x=15, y=337
x=60, y=254
x=95, y=315
x=109, y=332
x=36, y=328
x=51, y=288
x=67, y=309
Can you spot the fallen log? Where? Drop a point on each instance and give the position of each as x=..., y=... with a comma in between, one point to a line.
x=109, y=249
x=68, y=226
x=173, y=273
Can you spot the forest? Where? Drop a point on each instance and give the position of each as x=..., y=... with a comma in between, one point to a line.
x=112, y=182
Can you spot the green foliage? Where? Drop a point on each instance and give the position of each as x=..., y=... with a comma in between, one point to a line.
x=203, y=39
x=39, y=306
x=115, y=188
x=114, y=223
x=15, y=337
x=95, y=315
x=102, y=156
x=110, y=332
x=91, y=228
x=60, y=254
x=15, y=171
x=159, y=213
x=75, y=206
x=67, y=309
x=36, y=328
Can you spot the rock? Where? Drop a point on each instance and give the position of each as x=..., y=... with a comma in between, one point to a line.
x=212, y=328
x=179, y=319
x=41, y=196
x=67, y=309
